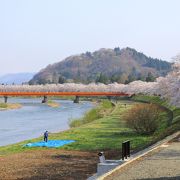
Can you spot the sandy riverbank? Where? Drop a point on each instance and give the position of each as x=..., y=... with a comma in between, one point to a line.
x=53, y=104
x=8, y=106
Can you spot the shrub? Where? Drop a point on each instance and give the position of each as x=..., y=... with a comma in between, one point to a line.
x=143, y=118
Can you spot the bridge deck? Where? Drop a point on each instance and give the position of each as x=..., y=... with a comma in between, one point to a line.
x=63, y=94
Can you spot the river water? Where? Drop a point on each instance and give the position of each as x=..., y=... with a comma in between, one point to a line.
x=34, y=118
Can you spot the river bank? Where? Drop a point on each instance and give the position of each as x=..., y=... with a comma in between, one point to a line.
x=33, y=118
x=8, y=106
x=79, y=159
x=105, y=132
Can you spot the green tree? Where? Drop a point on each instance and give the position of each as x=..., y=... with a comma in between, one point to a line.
x=61, y=80
x=102, y=78
x=117, y=51
x=150, y=77
x=131, y=78
x=114, y=78
x=88, y=54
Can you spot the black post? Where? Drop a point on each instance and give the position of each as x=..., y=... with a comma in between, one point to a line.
x=5, y=99
x=76, y=99
x=125, y=149
x=44, y=99
x=128, y=148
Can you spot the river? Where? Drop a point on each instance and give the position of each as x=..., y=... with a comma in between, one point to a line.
x=34, y=118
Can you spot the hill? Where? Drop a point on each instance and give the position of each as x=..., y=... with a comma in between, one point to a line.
x=16, y=78
x=105, y=65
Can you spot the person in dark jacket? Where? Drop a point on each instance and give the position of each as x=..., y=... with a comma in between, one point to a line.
x=46, y=136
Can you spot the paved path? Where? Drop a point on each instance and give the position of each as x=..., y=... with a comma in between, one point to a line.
x=161, y=164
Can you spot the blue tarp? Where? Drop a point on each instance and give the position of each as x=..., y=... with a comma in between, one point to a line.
x=50, y=143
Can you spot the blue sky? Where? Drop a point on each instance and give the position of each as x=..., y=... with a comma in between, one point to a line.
x=35, y=33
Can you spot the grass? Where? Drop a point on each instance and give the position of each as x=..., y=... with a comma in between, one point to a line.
x=6, y=106
x=3, y=105
x=100, y=111
x=105, y=133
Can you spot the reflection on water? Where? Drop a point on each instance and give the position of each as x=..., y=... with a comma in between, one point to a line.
x=34, y=118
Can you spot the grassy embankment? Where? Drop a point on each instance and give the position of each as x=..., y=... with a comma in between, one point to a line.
x=106, y=130
x=7, y=106
x=96, y=113
x=52, y=103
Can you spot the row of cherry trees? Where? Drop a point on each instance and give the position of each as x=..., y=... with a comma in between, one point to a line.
x=167, y=87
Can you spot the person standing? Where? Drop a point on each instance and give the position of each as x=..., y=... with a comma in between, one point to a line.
x=46, y=136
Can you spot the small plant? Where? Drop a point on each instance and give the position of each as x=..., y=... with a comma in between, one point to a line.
x=143, y=118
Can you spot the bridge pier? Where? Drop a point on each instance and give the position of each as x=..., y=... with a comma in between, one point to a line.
x=5, y=99
x=76, y=100
x=44, y=99
x=109, y=98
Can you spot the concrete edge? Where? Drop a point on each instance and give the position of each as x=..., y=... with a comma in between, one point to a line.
x=141, y=154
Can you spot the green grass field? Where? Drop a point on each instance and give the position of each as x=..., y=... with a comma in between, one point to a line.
x=104, y=133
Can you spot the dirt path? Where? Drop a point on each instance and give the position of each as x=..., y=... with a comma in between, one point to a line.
x=48, y=164
x=161, y=164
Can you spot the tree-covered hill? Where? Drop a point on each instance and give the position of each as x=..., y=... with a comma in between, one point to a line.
x=105, y=65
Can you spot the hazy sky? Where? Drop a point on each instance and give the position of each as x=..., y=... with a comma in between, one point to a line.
x=35, y=33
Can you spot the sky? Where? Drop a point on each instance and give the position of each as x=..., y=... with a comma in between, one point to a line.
x=35, y=33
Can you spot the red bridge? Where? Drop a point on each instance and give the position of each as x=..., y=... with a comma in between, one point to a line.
x=45, y=94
